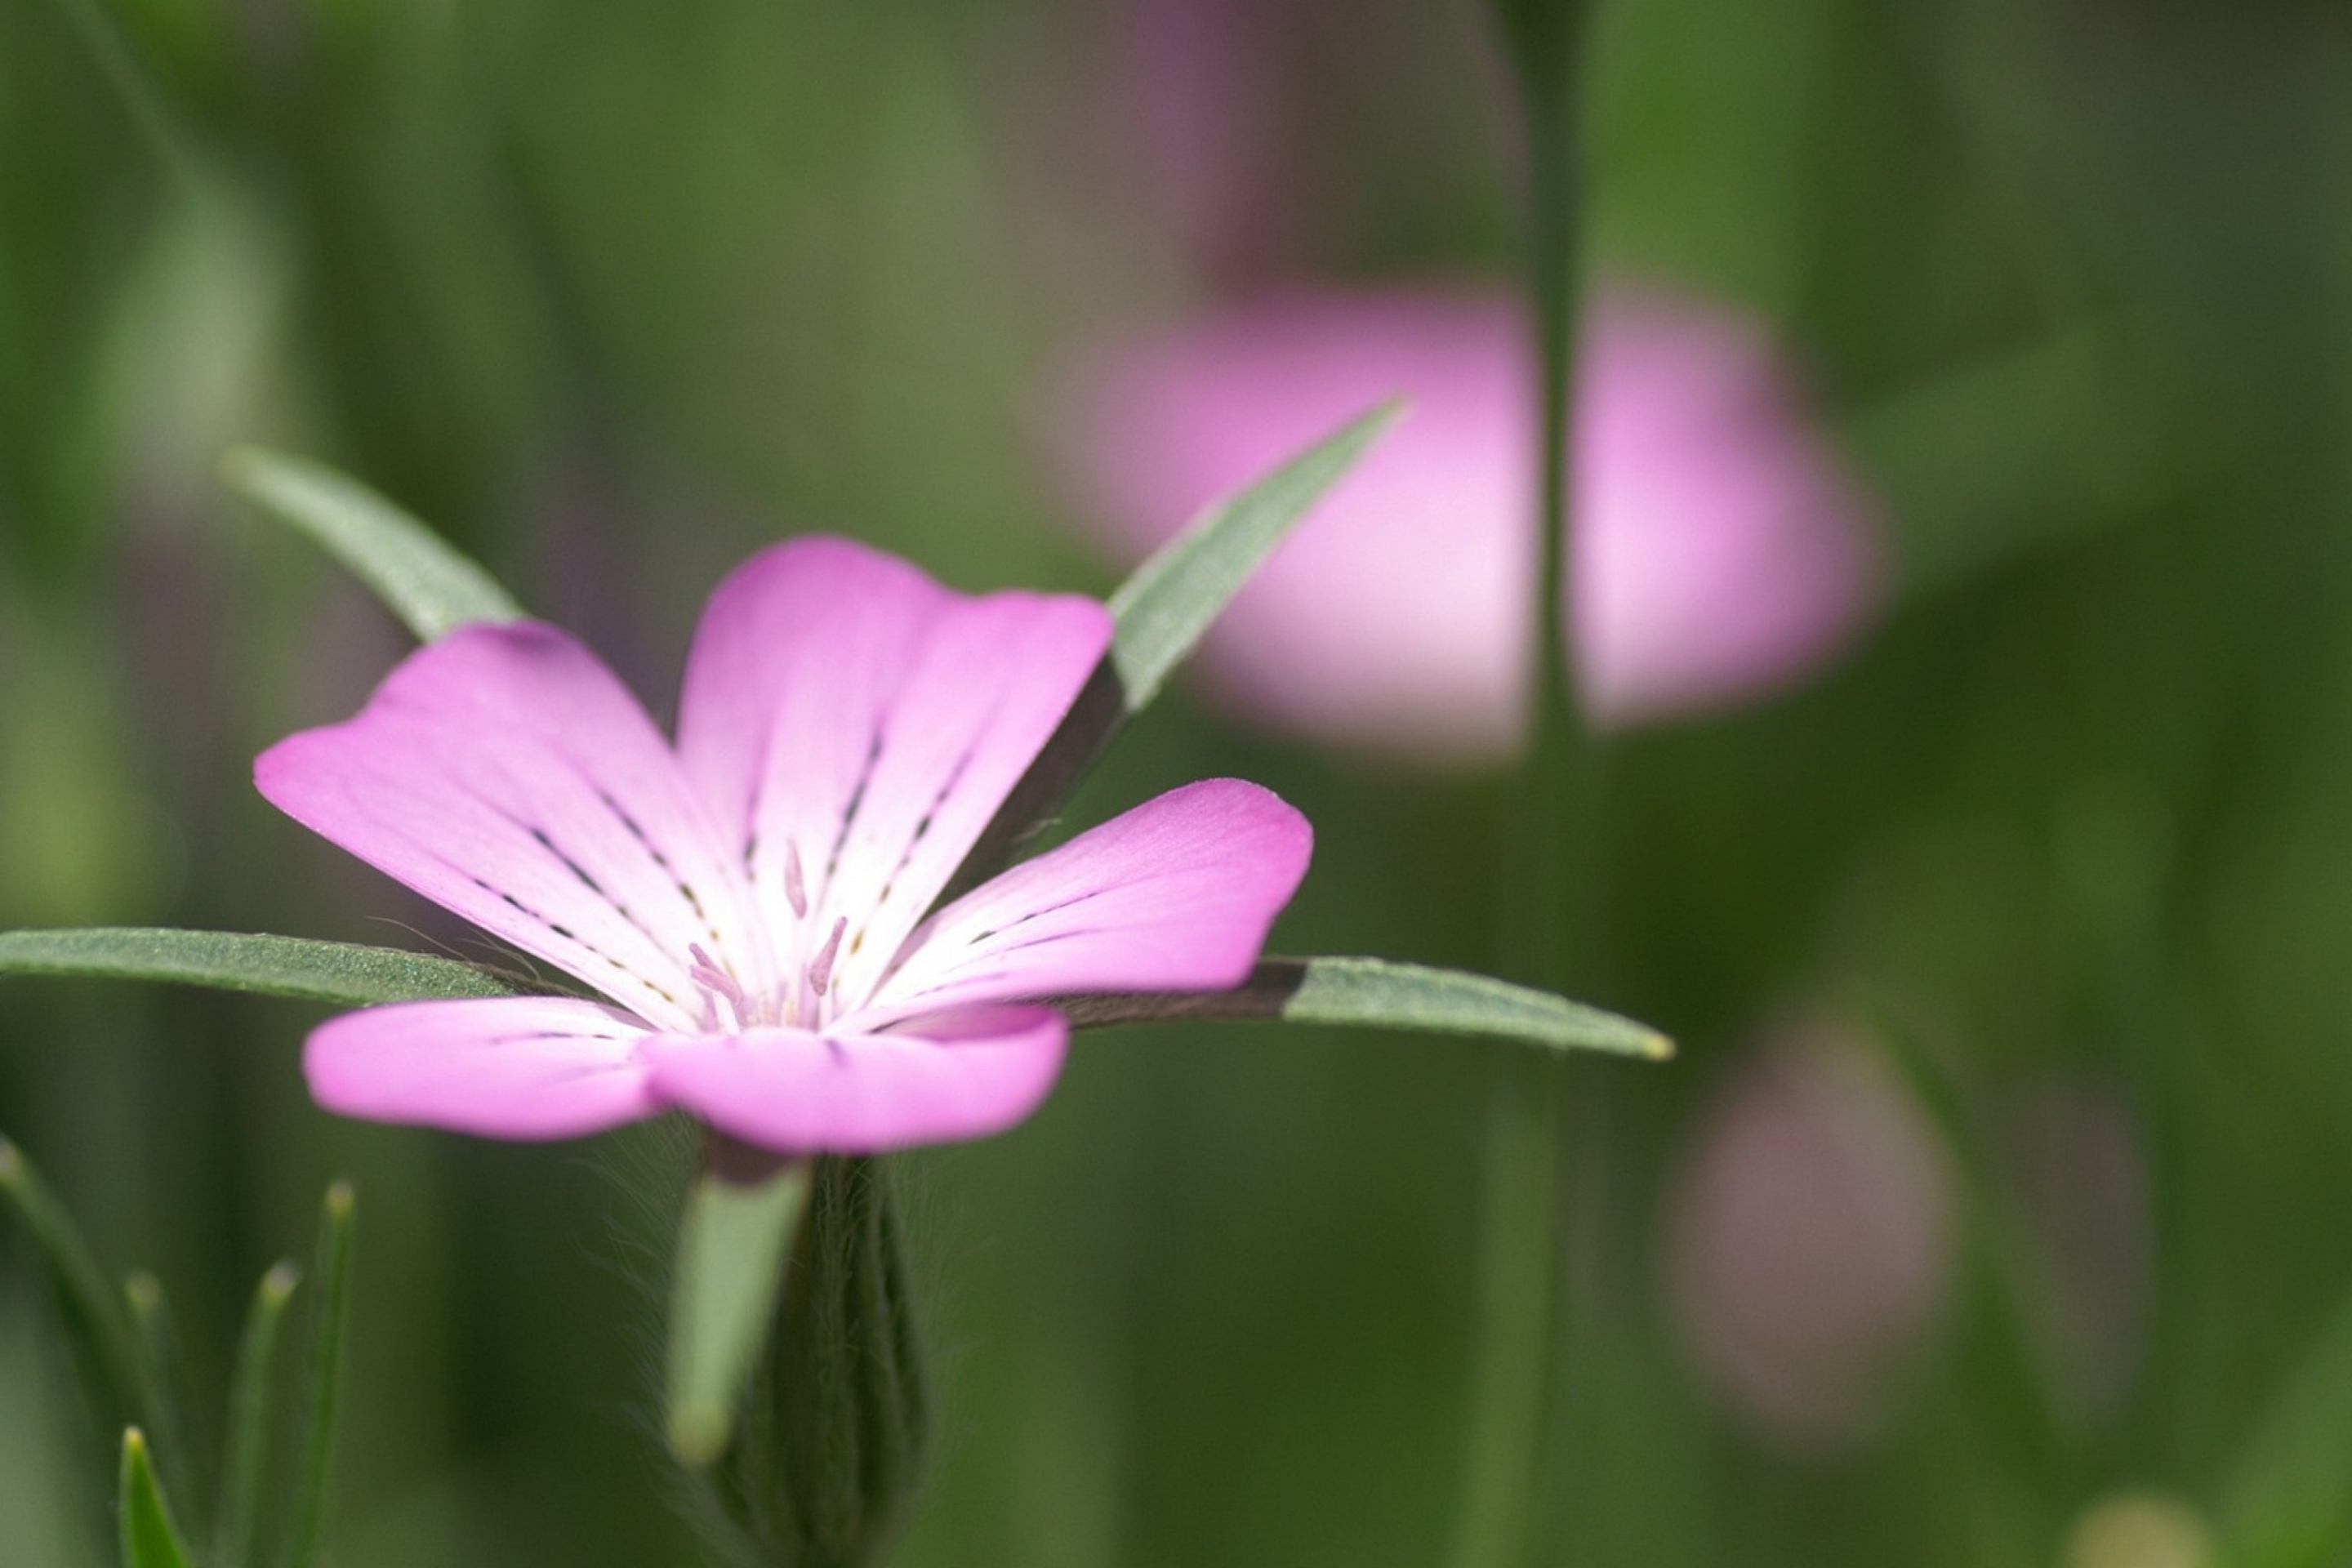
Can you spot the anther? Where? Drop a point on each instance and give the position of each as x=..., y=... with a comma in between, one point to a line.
x=795, y=890
x=820, y=969
x=708, y=974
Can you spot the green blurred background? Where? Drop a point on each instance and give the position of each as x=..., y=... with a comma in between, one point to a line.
x=614, y=293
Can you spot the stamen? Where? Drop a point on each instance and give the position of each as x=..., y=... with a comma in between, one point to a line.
x=708, y=974
x=795, y=890
x=820, y=969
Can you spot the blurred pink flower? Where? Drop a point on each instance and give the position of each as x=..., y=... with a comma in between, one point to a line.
x=1813, y=1241
x=752, y=904
x=1719, y=550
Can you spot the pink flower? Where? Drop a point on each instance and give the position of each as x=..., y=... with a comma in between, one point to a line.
x=1813, y=1241
x=1719, y=550
x=754, y=904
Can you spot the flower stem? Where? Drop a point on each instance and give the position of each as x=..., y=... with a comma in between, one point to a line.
x=1546, y=865
x=143, y=97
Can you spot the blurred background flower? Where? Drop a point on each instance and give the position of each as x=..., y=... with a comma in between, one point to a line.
x=1720, y=549
x=1813, y=1243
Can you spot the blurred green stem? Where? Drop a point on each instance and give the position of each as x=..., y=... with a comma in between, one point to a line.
x=1521, y=1232
x=141, y=95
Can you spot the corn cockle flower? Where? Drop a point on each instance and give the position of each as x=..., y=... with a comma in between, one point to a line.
x=754, y=906
x=1720, y=549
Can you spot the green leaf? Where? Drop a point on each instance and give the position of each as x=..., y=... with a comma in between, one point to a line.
x=308, y=1508
x=1373, y=993
x=730, y=1265
x=412, y=569
x=161, y=1369
x=98, y=1335
x=1172, y=598
x=150, y=1540
x=2288, y=1503
x=1995, y=1327
x=335, y=972
x=235, y=1541
x=2021, y=452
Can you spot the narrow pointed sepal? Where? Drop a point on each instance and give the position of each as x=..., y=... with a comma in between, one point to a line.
x=306, y=1512
x=732, y=1243
x=419, y=576
x=252, y=1399
x=149, y=1538
x=343, y=974
x=1380, y=994
x=1166, y=607
x=1160, y=615
x=98, y=1332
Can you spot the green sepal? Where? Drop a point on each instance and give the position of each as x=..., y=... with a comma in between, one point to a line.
x=1163, y=610
x=345, y=973
x=832, y=1431
x=1376, y=993
x=733, y=1242
x=237, y=1541
x=306, y=1510
x=99, y=1338
x=150, y=1538
x=162, y=1369
x=418, y=574
x=1159, y=616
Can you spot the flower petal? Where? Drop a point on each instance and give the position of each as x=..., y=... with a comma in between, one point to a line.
x=510, y=1067
x=961, y=1074
x=505, y=773
x=1175, y=895
x=843, y=710
x=798, y=654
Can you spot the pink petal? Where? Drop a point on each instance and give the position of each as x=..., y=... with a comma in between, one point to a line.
x=798, y=653
x=1721, y=549
x=520, y=1067
x=504, y=773
x=1175, y=895
x=843, y=709
x=951, y=1076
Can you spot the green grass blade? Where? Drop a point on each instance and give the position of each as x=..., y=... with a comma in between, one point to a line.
x=150, y=1540
x=1992, y=463
x=340, y=973
x=2288, y=1499
x=1163, y=609
x=235, y=1536
x=1374, y=993
x=306, y=1510
x=98, y=1334
x=160, y=1368
x=143, y=96
x=730, y=1264
x=413, y=570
